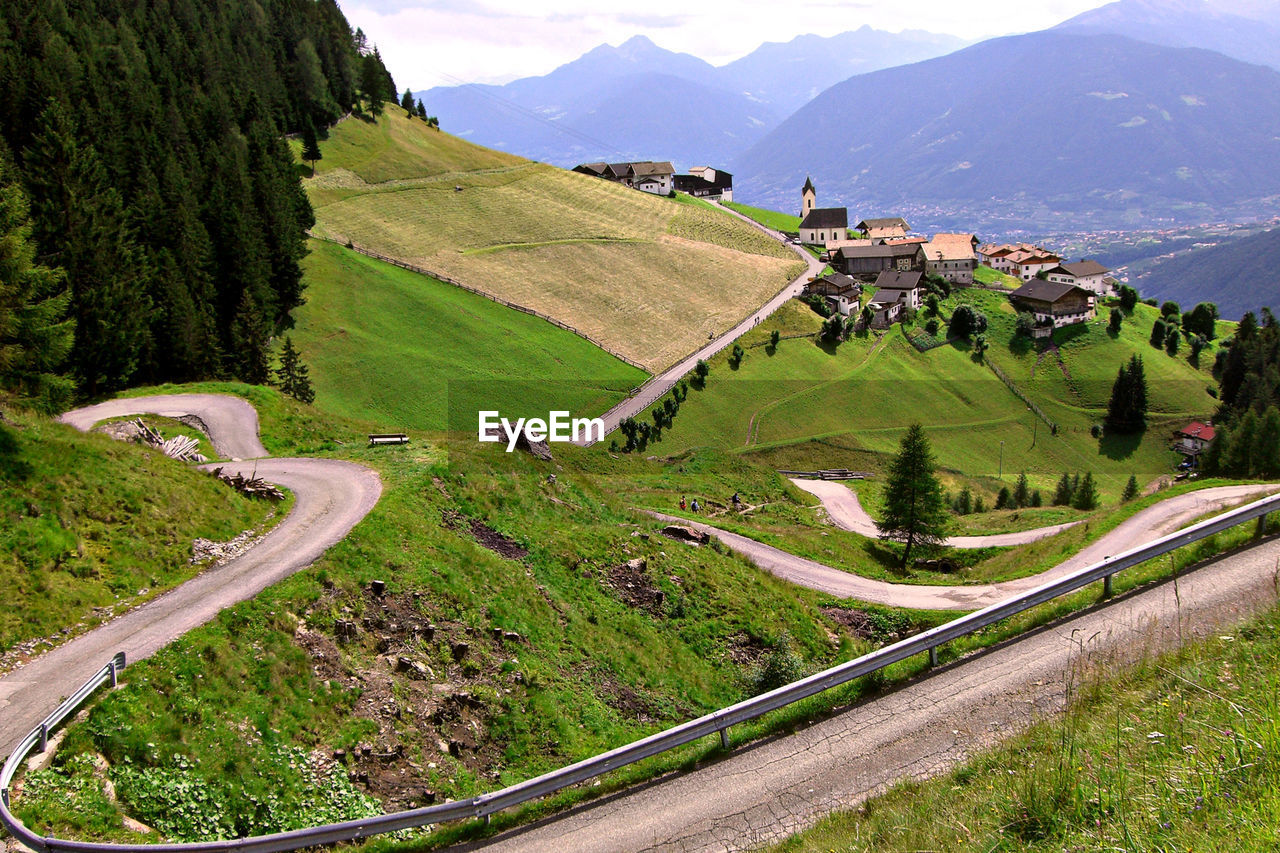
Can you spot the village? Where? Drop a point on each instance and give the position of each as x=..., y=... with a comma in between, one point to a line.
x=879, y=273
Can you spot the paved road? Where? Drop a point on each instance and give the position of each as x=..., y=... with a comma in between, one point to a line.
x=1151, y=523
x=330, y=498
x=663, y=382
x=763, y=792
x=841, y=504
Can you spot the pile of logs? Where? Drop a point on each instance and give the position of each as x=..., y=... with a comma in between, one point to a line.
x=254, y=487
x=179, y=447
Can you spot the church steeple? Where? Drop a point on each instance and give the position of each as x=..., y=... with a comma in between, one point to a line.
x=808, y=197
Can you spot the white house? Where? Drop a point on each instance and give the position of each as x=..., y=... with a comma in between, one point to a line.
x=1090, y=275
x=898, y=286
x=1025, y=264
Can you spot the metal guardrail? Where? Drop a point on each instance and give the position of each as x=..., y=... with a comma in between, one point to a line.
x=717, y=722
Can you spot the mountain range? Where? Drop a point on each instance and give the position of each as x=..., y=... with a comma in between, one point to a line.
x=1060, y=130
x=639, y=101
x=1239, y=275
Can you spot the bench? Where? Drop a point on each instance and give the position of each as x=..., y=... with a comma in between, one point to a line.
x=388, y=438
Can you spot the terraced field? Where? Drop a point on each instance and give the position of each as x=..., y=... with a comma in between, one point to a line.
x=648, y=276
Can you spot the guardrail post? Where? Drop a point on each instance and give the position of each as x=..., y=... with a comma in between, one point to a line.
x=933, y=656
x=44, y=737
x=114, y=678
x=724, y=738
x=1107, y=589
x=1261, y=528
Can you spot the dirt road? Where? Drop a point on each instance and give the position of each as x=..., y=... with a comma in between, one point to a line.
x=330, y=498
x=765, y=791
x=1155, y=521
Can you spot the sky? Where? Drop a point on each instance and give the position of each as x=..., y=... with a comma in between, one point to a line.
x=429, y=43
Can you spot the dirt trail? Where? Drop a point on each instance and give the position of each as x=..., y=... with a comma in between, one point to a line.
x=331, y=497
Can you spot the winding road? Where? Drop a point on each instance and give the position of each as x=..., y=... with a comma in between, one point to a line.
x=759, y=792
x=1150, y=523
x=331, y=497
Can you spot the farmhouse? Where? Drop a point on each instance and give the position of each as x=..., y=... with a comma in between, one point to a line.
x=884, y=314
x=657, y=177
x=1025, y=264
x=884, y=229
x=904, y=287
x=706, y=182
x=951, y=256
x=1053, y=303
x=1193, y=438
x=872, y=260
x=1090, y=275
x=842, y=293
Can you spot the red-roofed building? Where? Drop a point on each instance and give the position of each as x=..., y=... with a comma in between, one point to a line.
x=1193, y=438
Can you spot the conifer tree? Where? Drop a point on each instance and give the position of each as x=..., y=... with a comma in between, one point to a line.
x=1063, y=493
x=422, y=111
x=1086, y=494
x=1022, y=492
x=1266, y=445
x=36, y=332
x=1127, y=409
x=1116, y=321
x=311, y=146
x=1130, y=489
x=406, y=102
x=914, y=508
x=292, y=376
x=1003, y=499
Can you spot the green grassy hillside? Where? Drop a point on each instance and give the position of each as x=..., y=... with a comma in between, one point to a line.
x=93, y=525
x=649, y=277
x=806, y=405
x=398, y=349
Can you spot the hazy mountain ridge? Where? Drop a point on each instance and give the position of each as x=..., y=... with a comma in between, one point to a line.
x=1050, y=128
x=683, y=108
x=1238, y=275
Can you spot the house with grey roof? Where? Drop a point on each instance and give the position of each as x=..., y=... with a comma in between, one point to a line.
x=1090, y=275
x=870, y=261
x=1054, y=304
x=651, y=176
x=882, y=229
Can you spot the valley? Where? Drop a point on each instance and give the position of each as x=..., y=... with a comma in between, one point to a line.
x=896, y=537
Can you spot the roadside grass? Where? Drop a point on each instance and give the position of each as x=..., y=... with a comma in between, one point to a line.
x=95, y=526
x=595, y=255
x=379, y=349
x=1178, y=752
x=806, y=405
x=591, y=666
x=768, y=218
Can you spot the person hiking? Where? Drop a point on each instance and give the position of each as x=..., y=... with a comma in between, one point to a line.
x=695, y=505
x=682, y=502
x=736, y=500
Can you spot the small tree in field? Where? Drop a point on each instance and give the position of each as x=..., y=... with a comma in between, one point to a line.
x=1086, y=494
x=1117, y=319
x=292, y=376
x=774, y=337
x=915, y=511
x=1130, y=489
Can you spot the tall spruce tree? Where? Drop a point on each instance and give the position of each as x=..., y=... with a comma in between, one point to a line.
x=1086, y=494
x=311, y=146
x=292, y=374
x=915, y=511
x=1063, y=493
x=36, y=332
x=1127, y=409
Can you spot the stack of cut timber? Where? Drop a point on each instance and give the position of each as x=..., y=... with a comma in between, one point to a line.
x=179, y=447
x=254, y=487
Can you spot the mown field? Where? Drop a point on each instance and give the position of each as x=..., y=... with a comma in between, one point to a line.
x=401, y=350
x=806, y=405
x=649, y=277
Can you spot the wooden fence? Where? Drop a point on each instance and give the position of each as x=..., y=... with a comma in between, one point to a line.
x=1012, y=386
